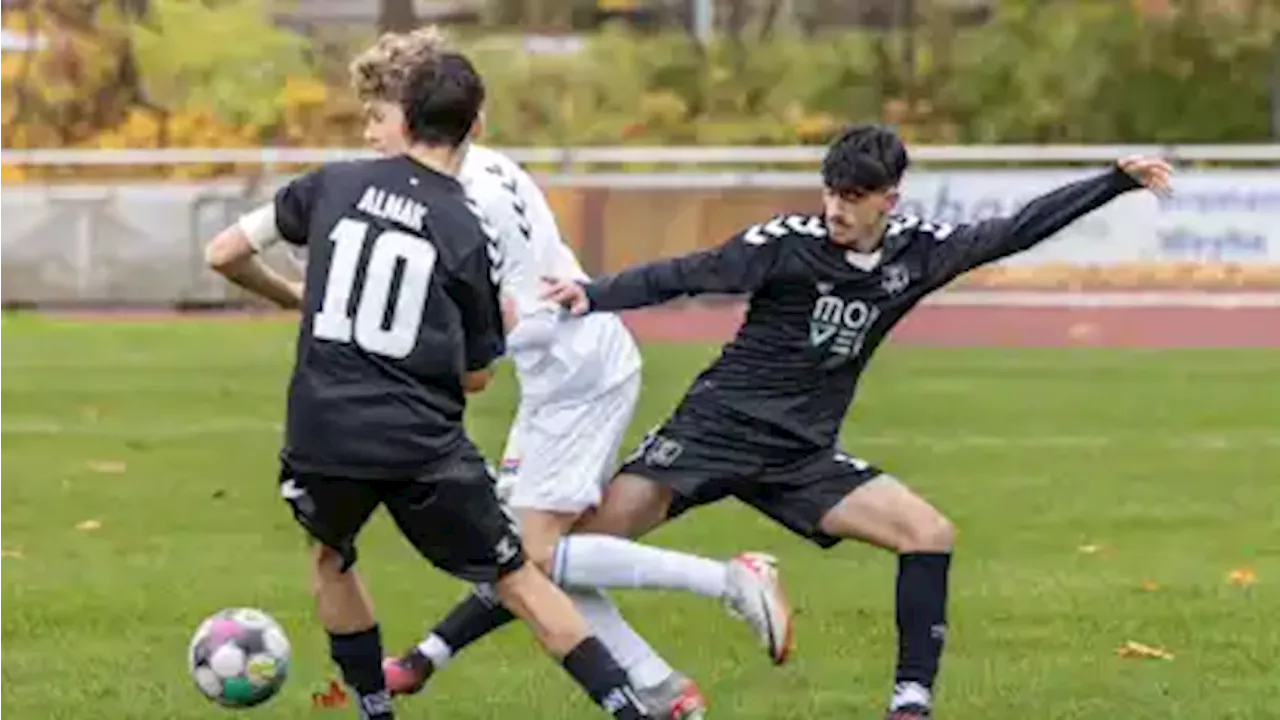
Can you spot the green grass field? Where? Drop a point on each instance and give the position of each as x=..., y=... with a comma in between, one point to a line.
x=166, y=434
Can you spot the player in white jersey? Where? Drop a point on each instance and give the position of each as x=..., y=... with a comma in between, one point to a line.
x=579, y=381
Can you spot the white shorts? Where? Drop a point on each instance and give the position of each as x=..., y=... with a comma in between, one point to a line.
x=561, y=454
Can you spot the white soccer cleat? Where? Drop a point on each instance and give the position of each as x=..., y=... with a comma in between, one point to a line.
x=754, y=593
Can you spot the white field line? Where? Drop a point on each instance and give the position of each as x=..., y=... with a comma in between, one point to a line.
x=26, y=427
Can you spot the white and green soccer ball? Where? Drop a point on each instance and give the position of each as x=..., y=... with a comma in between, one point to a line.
x=239, y=657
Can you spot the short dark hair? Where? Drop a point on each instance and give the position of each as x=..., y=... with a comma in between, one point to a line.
x=442, y=99
x=864, y=158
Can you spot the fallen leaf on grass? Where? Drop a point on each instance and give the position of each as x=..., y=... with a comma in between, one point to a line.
x=1150, y=585
x=88, y=525
x=16, y=554
x=1138, y=650
x=334, y=697
x=108, y=467
x=1243, y=577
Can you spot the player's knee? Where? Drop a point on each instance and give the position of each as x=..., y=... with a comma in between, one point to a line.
x=929, y=531
x=540, y=533
x=327, y=565
x=541, y=554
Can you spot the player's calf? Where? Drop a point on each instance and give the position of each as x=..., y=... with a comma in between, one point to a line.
x=886, y=513
x=563, y=632
x=355, y=641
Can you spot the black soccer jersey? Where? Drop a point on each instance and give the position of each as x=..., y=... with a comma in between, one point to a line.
x=401, y=302
x=817, y=311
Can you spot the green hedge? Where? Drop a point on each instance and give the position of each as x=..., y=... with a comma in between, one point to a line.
x=1091, y=71
x=1040, y=72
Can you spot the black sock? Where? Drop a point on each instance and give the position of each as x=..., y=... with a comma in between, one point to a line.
x=590, y=663
x=922, y=615
x=359, y=655
x=473, y=618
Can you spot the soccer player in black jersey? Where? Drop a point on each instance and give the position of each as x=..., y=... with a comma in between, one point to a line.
x=761, y=423
x=400, y=318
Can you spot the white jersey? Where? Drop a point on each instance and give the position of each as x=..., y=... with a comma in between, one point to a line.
x=556, y=358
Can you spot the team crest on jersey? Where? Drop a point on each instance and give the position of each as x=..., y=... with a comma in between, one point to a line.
x=895, y=278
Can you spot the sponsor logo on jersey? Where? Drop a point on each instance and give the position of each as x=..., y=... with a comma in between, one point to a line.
x=841, y=325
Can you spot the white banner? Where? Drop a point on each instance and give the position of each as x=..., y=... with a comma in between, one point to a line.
x=1218, y=216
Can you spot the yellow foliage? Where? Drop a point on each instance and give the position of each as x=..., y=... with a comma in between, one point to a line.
x=814, y=128
x=663, y=108
x=11, y=174
x=301, y=93
x=140, y=129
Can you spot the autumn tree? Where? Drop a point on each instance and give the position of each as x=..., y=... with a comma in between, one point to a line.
x=81, y=75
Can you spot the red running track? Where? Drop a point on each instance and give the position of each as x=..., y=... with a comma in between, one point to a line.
x=988, y=326
x=931, y=325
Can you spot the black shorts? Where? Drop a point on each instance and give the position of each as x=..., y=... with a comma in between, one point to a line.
x=705, y=453
x=450, y=514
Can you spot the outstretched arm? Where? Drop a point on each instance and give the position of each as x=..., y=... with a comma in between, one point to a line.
x=740, y=265
x=966, y=247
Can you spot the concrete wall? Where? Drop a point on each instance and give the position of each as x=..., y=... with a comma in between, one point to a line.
x=141, y=244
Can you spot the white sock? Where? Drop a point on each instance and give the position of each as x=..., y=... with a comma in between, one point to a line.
x=436, y=650
x=910, y=693
x=602, y=561
x=645, y=667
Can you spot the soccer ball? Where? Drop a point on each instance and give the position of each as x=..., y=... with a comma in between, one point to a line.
x=239, y=657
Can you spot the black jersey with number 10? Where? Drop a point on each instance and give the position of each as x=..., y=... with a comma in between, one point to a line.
x=401, y=303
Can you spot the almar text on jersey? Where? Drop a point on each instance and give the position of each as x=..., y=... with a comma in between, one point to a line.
x=401, y=303
x=815, y=314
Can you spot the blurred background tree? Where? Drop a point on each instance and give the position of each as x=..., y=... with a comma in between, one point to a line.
x=238, y=72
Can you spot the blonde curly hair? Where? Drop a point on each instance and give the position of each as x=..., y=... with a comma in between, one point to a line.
x=380, y=72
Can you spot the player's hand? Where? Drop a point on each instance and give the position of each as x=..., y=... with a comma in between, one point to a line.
x=1153, y=173
x=567, y=294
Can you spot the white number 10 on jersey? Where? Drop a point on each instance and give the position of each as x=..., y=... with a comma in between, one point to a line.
x=394, y=339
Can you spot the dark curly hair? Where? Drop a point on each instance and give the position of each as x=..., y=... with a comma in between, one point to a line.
x=864, y=158
x=442, y=97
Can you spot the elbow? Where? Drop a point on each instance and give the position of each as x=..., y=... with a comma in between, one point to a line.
x=227, y=251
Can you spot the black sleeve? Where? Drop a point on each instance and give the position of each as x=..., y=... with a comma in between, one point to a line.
x=293, y=204
x=966, y=247
x=474, y=288
x=741, y=265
